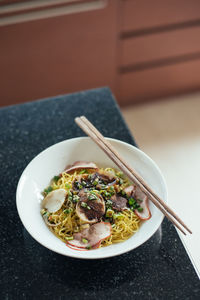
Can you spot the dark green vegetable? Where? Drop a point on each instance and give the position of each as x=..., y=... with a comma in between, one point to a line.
x=131, y=201
x=140, y=209
x=123, y=193
x=48, y=190
x=56, y=178
x=67, y=211
x=44, y=213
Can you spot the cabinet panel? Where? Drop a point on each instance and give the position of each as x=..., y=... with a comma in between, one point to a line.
x=141, y=14
x=160, y=46
x=58, y=55
x=159, y=82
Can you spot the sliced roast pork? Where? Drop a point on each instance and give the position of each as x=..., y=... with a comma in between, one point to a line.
x=118, y=203
x=143, y=200
x=91, y=206
x=130, y=190
x=80, y=165
x=91, y=237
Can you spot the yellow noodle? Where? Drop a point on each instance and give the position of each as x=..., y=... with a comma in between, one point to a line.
x=124, y=227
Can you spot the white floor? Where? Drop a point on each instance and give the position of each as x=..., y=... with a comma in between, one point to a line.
x=169, y=132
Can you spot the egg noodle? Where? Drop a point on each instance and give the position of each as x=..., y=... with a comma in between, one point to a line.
x=66, y=221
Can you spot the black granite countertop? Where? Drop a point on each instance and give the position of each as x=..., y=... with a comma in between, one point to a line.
x=159, y=269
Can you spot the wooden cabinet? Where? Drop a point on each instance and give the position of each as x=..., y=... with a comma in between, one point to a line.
x=159, y=49
x=58, y=55
x=141, y=49
x=147, y=14
x=160, y=81
x=160, y=46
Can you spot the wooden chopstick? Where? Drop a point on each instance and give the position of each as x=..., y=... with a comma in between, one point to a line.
x=139, y=178
x=98, y=138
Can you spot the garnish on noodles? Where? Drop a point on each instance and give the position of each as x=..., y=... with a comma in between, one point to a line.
x=88, y=207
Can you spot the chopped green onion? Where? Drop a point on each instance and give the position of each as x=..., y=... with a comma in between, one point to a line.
x=121, y=181
x=119, y=174
x=103, y=186
x=140, y=209
x=88, y=207
x=48, y=190
x=116, y=216
x=111, y=188
x=68, y=186
x=67, y=211
x=70, y=198
x=131, y=201
x=93, y=193
x=43, y=212
x=56, y=178
x=109, y=203
x=84, y=204
x=76, y=198
x=80, y=186
x=85, y=241
x=96, y=181
x=69, y=238
x=107, y=194
x=109, y=213
x=82, y=171
x=88, y=247
x=92, y=197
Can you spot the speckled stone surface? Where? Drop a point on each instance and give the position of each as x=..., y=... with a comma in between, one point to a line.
x=159, y=269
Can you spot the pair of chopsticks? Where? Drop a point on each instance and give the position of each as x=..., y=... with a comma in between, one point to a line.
x=98, y=138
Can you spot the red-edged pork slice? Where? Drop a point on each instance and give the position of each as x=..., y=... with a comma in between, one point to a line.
x=75, y=248
x=130, y=190
x=143, y=200
x=91, y=237
x=91, y=207
x=80, y=165
x=118, y=203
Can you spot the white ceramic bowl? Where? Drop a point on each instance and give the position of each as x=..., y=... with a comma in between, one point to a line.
x=52, y=161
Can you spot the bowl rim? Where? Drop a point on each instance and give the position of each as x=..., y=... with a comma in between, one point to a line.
x=78, y=254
